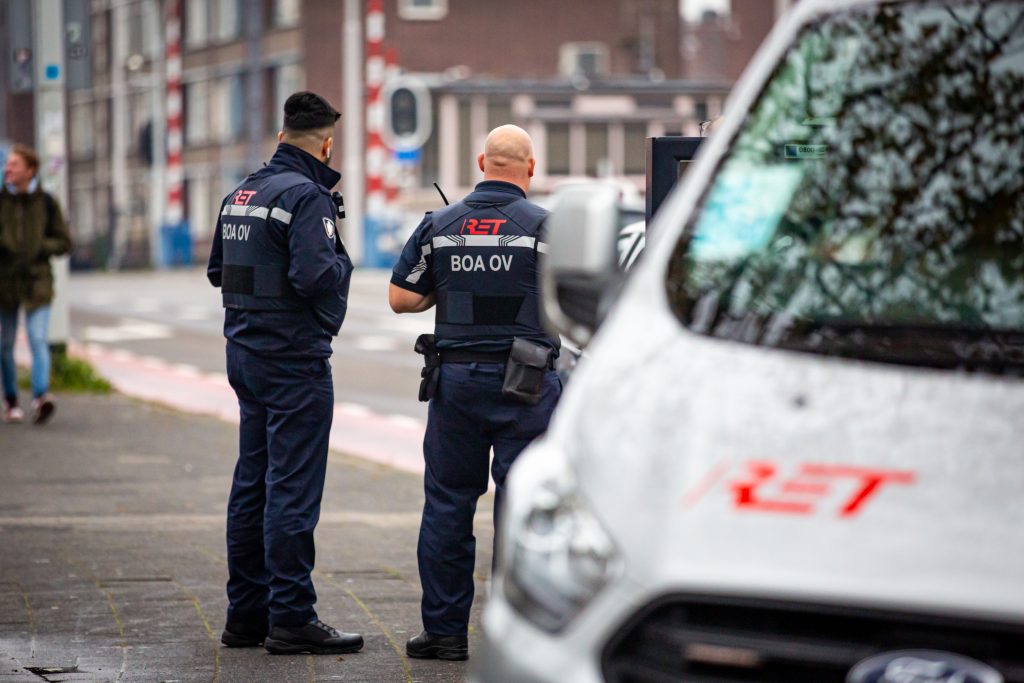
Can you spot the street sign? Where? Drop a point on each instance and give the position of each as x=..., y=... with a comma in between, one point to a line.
x=407, y=113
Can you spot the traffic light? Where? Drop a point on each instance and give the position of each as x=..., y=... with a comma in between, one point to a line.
x=407, y=113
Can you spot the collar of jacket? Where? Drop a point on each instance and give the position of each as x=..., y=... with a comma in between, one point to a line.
x=33, y=185
x=495, y=191
x=291, y=158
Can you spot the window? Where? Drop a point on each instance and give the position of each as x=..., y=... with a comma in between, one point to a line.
x=589, y=60
x=200, y=215
x=558, y=149
x=286, y=13
x=141, y=19
x=466, y=155
x=636, y=149
x=140, y=113
x=197, y=112
x=82, y=216
x=197, y=23
x=82, y=141
x=226, y=21
x=873, y=205
x=228, y=108
x=422, y=10
x=597, y=149
x=498, y=113
x=288, y=79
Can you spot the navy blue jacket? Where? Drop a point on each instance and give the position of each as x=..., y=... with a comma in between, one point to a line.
x=479, y=256
x=296, y=301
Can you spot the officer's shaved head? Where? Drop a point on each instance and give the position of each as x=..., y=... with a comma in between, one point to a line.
x=508, y=156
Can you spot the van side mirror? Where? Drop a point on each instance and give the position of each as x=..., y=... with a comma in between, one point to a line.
x=581, y=267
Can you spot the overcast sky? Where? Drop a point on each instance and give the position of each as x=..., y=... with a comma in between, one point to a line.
x=692, y=9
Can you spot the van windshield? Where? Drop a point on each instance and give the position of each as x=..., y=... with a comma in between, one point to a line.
x=872, y=205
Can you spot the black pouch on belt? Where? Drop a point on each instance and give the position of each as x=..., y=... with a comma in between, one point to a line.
x=524, y=374
x=426, y=346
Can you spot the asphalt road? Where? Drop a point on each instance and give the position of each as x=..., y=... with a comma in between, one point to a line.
x=176, y=316
x=113, y=566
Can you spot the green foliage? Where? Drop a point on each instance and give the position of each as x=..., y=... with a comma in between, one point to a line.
x=70, y=375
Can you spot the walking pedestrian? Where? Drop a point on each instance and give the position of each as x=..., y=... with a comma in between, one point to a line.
x=284, y=275
x=32, y=230
x=489, y=376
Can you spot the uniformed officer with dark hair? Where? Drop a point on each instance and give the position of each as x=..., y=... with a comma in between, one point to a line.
x=488, y=374
x=284, y=275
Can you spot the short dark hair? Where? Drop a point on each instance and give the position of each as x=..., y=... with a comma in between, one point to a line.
x=306, y=111
x=28, y=155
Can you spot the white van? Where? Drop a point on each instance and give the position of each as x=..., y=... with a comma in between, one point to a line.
x=795, y=451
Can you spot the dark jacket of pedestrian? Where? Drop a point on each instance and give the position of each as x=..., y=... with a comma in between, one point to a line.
x=32, y=229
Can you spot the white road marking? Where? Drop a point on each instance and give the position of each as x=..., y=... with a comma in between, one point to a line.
x=196, y=313
x=101, y=298
x=187, y=370
x=354, y=409
x=145, y=305
x=375, y=343
x=127, y=330
x=405, y=421
x=218, y=378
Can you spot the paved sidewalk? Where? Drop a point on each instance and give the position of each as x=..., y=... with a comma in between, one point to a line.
x=112, y=555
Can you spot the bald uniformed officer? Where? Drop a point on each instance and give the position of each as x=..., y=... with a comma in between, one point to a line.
x=476, y=263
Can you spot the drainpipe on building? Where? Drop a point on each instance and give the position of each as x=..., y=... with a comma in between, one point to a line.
x=254, y=96
x=353, y=183
x=51, y=142
x=119, y=136
x=157, y=172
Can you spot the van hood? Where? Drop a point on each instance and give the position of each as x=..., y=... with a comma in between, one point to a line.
x=784, y=474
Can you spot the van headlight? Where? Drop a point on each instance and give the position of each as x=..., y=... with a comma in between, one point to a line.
x=557, y=557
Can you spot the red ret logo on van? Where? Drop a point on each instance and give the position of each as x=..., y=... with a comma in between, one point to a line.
x=805, y=489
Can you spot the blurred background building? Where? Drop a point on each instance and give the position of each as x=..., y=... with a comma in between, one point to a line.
x=590, y=82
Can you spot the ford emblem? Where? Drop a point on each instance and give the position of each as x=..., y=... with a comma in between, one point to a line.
x=922, y=666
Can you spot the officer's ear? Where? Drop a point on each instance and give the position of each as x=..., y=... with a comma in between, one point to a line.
x=327, y=148
x=280, y=135
x=480, y=162
x=529, y=168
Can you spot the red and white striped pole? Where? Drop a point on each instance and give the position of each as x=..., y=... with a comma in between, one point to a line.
x=376, y=152
x=392, y=180
x=174, y=212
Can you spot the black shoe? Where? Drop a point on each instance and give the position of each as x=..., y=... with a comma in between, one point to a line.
x=316, y=638
x=428, y=646
x=239, y=634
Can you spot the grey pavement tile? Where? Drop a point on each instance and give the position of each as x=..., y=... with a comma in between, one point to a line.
x=112, y=527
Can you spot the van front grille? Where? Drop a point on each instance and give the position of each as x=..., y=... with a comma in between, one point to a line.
x=721, y=640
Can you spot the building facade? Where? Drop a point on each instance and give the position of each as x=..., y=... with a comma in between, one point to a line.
x=589, y=82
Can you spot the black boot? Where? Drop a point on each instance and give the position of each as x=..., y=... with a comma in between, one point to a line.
x=428, y=646
x=243, y=634
x=316, y=638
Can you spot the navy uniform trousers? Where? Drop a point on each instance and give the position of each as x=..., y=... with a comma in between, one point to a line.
x=466, y=419
x=286, y=407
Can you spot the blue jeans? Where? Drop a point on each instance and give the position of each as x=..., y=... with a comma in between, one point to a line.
x=37, y=322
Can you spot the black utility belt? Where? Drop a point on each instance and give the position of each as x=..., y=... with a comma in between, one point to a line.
x=525, y=365
x=465, y=356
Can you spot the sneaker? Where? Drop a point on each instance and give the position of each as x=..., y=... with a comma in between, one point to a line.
x=428, y=646
x=42, y=409
x=13, y=414
x=316, y=638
